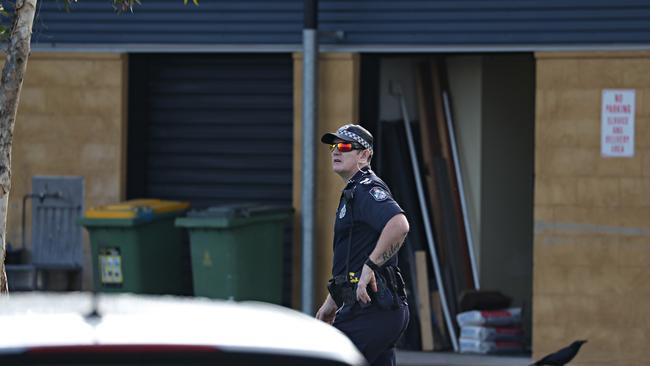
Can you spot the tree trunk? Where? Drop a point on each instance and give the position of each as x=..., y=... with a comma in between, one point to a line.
x=13, y=73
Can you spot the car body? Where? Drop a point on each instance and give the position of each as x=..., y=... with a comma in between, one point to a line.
x=127, y=329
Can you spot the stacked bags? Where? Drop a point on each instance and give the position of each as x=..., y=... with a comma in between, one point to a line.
x=491, y=331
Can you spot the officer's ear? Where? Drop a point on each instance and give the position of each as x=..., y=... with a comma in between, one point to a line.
x=365, y=155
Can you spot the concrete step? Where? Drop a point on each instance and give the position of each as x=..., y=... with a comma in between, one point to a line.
x=412, y=358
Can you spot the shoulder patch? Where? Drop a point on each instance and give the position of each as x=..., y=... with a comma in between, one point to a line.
x=378, y=194
x=366, y=181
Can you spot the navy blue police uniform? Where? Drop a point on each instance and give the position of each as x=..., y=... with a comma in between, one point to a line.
x=365, y=207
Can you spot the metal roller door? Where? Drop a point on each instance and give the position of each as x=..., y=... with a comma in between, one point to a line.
x=212, y=129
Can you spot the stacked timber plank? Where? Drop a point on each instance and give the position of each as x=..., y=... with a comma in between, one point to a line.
x=442, y=185
x=438, y=259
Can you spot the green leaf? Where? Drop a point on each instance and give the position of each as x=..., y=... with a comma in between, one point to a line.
x=196, y=2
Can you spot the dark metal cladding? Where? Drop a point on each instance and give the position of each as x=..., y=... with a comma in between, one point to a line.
x=171, y=22
x=480, y=22
x=311, y=14
x=364, y=22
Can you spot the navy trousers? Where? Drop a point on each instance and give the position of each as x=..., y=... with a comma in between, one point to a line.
x=373, y=330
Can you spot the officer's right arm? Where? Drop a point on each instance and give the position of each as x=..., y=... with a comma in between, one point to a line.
x=327, y=311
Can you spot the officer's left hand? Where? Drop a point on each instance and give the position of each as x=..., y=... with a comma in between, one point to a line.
x=367, y=278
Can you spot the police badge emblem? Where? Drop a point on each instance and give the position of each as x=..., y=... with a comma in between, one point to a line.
x=378, y=194
x=342, y=212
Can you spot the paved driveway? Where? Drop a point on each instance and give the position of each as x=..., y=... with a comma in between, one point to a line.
x=410, y=358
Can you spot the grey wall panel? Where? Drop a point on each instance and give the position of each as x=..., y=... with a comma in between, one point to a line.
x=426, y=22
x=364, y=22
x=169, y=21
x=56, y=236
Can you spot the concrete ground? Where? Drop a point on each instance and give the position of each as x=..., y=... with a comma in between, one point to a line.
x=412, y=358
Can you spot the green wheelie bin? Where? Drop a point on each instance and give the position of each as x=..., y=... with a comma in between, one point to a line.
x=236, y=251
x=136, y=247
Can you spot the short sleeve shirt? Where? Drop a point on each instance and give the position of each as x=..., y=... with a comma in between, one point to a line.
x=370, y=208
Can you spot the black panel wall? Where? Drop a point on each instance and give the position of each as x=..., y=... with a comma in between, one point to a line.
x=212, y=130
x=380, y=23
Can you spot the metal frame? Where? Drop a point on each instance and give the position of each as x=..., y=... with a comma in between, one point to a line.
x=396, y=90
x=461, y=190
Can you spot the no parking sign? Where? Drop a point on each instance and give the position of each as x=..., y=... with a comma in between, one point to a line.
x=617, y=123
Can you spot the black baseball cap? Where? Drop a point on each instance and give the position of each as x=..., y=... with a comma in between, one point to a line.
x=349, y=133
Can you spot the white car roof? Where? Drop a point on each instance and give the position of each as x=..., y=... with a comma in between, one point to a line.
x=37, y=319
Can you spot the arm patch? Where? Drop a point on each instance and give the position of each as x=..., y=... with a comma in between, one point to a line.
x=378, y=194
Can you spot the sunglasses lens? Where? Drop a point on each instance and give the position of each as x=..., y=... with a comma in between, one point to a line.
x=344, y=147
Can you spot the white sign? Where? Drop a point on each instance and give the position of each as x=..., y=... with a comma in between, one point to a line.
x=617, y=123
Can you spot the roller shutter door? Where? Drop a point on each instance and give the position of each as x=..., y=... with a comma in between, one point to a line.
x=211, y=129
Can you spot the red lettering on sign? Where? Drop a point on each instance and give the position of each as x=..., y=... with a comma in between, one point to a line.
x=617, y=120
x=617, y=139
x=618, y=108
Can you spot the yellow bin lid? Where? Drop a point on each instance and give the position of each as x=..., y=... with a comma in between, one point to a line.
x=135, y=208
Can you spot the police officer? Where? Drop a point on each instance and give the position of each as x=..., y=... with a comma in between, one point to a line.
x=367, y=300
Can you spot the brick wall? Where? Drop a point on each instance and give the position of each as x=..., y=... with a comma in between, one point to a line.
x=71, y=121
x=592, y=214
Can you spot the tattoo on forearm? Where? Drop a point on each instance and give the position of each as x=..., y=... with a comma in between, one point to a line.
x=390, y=253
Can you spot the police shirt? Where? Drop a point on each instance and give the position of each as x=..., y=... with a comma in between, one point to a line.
x=370, y=207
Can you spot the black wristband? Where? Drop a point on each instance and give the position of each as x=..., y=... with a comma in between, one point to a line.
x=372, y=265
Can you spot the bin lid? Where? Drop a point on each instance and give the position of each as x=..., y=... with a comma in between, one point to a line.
x=239, y=210
x=136, y=209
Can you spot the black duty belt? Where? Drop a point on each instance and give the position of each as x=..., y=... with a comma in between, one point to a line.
x=390, y=288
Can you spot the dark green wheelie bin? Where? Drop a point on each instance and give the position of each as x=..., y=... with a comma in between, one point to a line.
x=237, y=251
x=137, y=248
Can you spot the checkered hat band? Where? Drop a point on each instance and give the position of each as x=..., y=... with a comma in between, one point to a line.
x=355, y=137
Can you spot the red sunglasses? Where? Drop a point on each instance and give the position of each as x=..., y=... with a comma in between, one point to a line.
x=345, y=146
